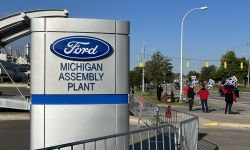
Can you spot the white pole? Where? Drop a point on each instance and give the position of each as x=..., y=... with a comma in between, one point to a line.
x=181, y=71
x=143, y=86
x=248, y=72
x=181, y=58
x=143, y=71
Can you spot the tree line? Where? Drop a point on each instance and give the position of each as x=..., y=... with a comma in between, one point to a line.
x=159, y=70
x=230, y=65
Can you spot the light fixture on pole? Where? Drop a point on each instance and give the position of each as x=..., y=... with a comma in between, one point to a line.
x=225, y=65
x=241, y=65
x=206, y=64
x=182, y=23
x=188, y=64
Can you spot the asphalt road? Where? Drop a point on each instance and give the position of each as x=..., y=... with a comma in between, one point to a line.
x=243, y=99
x=15, y=134
x=227, y=134
x=14, y=125
x=223, y=139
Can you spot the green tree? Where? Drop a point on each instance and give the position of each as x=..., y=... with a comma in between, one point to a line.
x=193, y=73
x=135, y=77
x=242, y=74
x=208, y=73
x=158, y=69
x=232, y=67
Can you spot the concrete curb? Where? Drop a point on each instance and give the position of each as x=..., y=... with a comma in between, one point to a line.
x=232, y=125
x=12, y=85
x=14, y=116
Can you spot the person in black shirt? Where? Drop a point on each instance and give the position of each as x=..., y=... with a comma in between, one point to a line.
x=190, y=96
x=159, y=90
x=230, y=97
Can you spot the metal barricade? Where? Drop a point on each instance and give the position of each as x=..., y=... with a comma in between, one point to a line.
x=185, y=125
x=177, y=131
x=149, y=138
x=188, y=134
x=146, y=113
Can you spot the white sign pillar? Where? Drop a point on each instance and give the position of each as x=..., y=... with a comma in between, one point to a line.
x=79, y=80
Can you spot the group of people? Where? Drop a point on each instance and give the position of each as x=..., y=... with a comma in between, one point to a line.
x=228, y=90
x=203, y=93
x=189, y=93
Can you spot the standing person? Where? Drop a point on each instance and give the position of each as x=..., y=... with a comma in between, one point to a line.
x=185, y=91
x=230, y=97
x=132, y=90
x=159, y=90
x=237, y=91
x=165, y=95
x=203, y=92
x=190, y=95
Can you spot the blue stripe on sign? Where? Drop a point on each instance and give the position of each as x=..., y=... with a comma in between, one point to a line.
x=52, y=99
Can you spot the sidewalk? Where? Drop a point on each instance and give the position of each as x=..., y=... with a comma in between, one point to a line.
x=12, y=85
x=9, y=116
x=216, y=116
x=240, y=119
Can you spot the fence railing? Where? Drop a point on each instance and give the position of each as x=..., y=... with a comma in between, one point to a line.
x=166, y=128
x=188, y=134
x=185, y=125
x=149, y=138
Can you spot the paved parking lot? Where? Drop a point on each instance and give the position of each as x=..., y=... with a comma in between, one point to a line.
x=15, y=135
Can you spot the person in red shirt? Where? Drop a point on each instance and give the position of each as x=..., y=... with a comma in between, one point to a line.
x=203, y=92
x=230, y=97
x=185, y=91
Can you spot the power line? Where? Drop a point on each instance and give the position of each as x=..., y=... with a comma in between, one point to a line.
x=195, y=59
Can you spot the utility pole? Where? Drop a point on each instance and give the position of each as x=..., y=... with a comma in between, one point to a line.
x=143, y=71
x=182, y=27
x=248, y=72
x=248, y=69
x=11, y=54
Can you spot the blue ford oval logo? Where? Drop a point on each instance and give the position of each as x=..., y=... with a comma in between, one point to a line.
x=81, y=48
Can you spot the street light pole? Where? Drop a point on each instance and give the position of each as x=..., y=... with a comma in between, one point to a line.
x=143, y=71
x=248, y=68
x=248, y=72
x=182, y=23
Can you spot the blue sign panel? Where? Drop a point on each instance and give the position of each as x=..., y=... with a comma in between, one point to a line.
x=81, y=48
x=64, y=99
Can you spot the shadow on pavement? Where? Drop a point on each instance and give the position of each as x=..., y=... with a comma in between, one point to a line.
x=12, y=110
x=235, y=113
x=196, y=109
x=156, y=143
x=145, y=145
x=209, y=110
x=240, y=110
x=204, y=144
x=212, y=110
